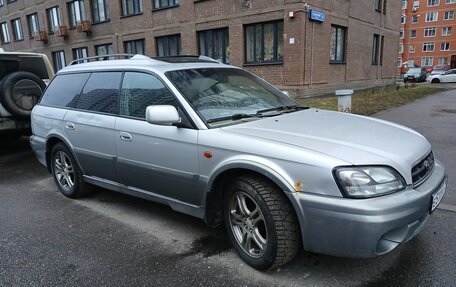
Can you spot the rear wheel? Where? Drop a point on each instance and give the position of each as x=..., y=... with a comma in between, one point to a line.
x=261, y=223
x=435, y=81
x=67, y=174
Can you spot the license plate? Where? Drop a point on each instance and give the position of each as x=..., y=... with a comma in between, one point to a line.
x=437, y=196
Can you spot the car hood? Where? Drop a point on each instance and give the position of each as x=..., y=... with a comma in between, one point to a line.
x=355, y=139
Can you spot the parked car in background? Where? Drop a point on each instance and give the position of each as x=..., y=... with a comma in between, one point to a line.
x=447, y=77
x=23, y=78
x=415, y=75
x=217, y=142
x=439, y=69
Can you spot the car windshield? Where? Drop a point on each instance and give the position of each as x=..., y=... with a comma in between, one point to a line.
x=414, y=71
x=224, y=96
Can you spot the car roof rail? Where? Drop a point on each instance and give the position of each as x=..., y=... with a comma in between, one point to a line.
x=105, y=57
x=186, y=59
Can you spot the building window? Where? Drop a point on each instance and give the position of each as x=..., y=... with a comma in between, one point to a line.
x=412, y=33
x=403, y=19
x=375, y=49
x=444, y=46
x=33, y=24
x=168, y=45
x=399, y=62
x=54, y=19
x=449, y=15
x=5, y=33
x=433, y=3
x=443, y=61
x=428, y=47
x=446, y=31
x=415, y=19
x=17, y=29
x=404, y=4
x=131, y=7
x=430, y=31
x=81, y=53
x=427, y=61
x=160, y=4
x=411, y=63
x=58, y=57
x=100, y=11
x=412, y=48
x=401, y=34
x=378, y=5
x=2, y=2
x=401, y=48
x=105, y=49
x=450, y=1
x=134, y=47
x=263, y=42
x=432, y=16
x=76, y=12
x=337, y=52
x=215, y=44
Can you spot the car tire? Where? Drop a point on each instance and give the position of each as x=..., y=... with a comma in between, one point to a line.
x=435, y=81
x=66, y=172
x=20, y=92
x=261, y=222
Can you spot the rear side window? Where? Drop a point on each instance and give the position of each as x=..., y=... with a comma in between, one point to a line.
x=140, y=90
x=64, y=90
x=101, y=93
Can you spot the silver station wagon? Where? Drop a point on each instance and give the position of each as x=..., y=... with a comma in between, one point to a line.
x=219, y=143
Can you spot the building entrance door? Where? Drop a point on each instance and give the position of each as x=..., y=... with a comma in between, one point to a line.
x=453, y=61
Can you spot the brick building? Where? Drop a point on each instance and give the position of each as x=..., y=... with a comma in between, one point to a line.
x=428, y=33
x=354, y=46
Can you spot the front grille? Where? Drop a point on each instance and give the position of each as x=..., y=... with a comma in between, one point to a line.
x=423, y=169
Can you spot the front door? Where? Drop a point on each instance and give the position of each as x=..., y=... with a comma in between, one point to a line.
x=158, y=159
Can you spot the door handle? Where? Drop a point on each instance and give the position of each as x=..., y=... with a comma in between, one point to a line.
x=125, y=137
x=70, y=126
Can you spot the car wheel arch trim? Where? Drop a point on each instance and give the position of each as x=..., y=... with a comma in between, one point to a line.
x=62, y=139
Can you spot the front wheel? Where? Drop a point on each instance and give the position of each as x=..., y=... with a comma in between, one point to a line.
x=261, y=222
x=435, y=81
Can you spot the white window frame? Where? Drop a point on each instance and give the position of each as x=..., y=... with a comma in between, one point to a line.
x=443, y=61
x=404, y=4
x=412, y=48
x=401, y=34
x=445, y=46
x=5, y=33
x=430, y=32
x=449, y=13
x=449, y=31
x=399, y=62
x=432, y=3
x=434, y=18
x=411, y=34
x=411, y=63
x=429, y=45
x=450, y=1
x=18, y=33
x=427, y=61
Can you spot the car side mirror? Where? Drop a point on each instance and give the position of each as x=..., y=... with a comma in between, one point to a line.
x=162, y=115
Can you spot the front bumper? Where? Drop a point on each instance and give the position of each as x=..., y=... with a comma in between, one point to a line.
x=364, y=228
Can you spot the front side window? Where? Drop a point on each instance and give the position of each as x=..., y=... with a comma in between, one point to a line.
x=430, y=31
x=33, y=24
x=159, y=4
x=80, y=53
x=337, y=52
x=100, y=11
x=54, y=19
x=101, y=93
x=168, y=45
x=428, y=47
x=140, y=90
x=264, y=42
x=105, y=49
x=375, y=49
x=5, y=33
x=449, y=15
x=214, y=44
x=131, y=7
x=17, y=29
x=225, y=96
x=76, y=12
x=58, y=57
x=134, y=47
x=64, y=90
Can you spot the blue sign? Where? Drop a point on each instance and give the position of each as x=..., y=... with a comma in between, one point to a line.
x=316, y=15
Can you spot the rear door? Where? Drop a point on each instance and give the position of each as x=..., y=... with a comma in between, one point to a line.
x=90, y=126
x=154, y=158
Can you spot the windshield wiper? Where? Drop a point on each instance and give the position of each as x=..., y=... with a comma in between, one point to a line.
x=280, y=109
x=234, y=117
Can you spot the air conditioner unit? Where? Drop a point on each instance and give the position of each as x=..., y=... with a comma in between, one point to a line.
x=41, y=36
x=84, y=26
x=61, y=31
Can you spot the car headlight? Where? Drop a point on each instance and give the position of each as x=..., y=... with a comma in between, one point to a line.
x=368, y=181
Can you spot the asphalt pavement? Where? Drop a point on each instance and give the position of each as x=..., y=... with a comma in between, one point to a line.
x=109, y=239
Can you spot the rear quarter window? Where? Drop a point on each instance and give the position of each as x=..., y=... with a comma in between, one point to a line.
x=64, y=90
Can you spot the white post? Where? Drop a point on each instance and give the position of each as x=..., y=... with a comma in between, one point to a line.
x=344, y=100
